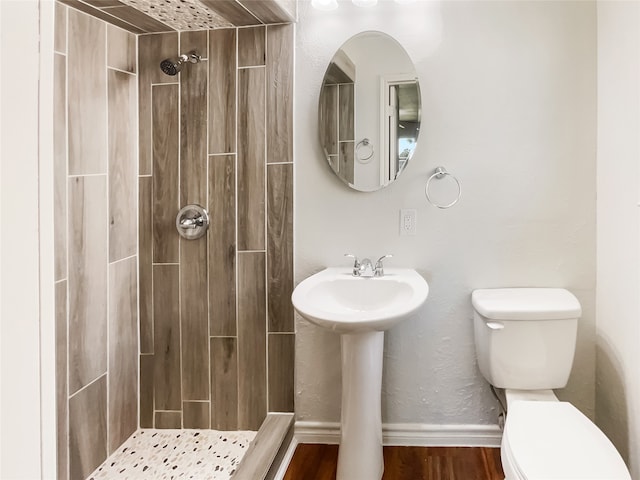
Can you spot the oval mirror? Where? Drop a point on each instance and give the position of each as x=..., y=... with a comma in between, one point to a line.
x=369, y=111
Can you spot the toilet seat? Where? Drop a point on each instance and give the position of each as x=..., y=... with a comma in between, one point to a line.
x=555, y=441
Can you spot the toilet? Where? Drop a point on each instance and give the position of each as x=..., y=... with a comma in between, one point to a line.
x=525, y=342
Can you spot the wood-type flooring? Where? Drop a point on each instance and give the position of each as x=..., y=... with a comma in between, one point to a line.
x=319, y=462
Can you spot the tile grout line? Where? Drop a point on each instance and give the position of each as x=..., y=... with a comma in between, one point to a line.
x=266, y=219
x=88, y=385
x=108, y=230
x=67, y=437
x=122, y=259
x=180, y=240
x=153, y=289
x=208, y=247
x=237, y=230
x=82, y=175
x=137, y=214
x=116, y=69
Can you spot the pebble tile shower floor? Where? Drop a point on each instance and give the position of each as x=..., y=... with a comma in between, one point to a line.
x=176, y=454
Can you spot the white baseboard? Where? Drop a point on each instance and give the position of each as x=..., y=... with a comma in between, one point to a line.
x=408, y=434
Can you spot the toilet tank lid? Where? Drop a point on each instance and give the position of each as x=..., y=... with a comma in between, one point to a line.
x=526, y=303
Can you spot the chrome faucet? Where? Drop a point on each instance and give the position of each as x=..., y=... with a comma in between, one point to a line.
x=365, y=268
x=379, y=269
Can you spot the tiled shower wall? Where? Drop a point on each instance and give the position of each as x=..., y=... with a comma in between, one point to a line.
x=95, y=217
x=216, y=321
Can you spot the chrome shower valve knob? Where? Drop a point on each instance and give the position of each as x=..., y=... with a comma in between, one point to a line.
x=192, y=222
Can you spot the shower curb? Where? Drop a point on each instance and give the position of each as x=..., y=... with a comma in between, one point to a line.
x=263, y=456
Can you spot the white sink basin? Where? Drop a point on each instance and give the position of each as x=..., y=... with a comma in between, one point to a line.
x=335, y=299
x=360, y=309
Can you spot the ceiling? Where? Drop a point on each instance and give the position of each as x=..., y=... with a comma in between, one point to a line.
x=154, y=16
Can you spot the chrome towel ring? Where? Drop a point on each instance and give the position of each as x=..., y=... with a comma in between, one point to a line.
x=440, y=173
x=364, y=150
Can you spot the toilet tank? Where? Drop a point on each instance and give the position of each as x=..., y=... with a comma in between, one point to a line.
x=525, y=337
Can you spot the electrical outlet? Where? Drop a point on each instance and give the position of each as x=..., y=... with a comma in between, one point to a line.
x=408, y=219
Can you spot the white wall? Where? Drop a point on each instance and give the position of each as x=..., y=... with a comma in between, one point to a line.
x=618, y=308
x=27, y=448
x=509, y=107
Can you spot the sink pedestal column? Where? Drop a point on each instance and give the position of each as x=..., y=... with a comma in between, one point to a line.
x=360, y=453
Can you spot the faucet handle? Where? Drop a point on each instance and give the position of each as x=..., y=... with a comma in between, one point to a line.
x=379, y=268
x=356, y=263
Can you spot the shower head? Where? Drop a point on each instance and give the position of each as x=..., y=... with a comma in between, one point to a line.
x=172, y=66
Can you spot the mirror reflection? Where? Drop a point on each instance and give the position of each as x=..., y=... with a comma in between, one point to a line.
x=369, y=111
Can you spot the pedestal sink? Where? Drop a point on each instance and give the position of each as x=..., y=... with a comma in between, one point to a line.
x=360, y=309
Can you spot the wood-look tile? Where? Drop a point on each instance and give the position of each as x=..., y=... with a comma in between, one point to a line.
x=60, y=165
x=122, y=165
x=329, y=119
x=280, y=93
x=268, y=11
x=193, y=134
x=87, y=280
x=346, y=161
x=195, y=40
x=334, y=162
x=88, y=429
x=62, y=395
x=291, y=6
x=224, y=383
x=167, y=379
x=196, y=415
x=232, y=11
x=104, y=3
x=252, y=372
x=152, y=49
x=138, y=19
x=60, y=28
x=222, y=245
x=222, y=91
x=346, y=111
x=251, y=159
x=172, y=420
x=100, y=14
x=251, y=46
x=264, y=448
x=194, y=314
x=146, y=390
x=280, y=246
x=123, y=351
x=281, y=365
x=165, y=173
x=87, y=95
x=121, y=49
x=145, y=247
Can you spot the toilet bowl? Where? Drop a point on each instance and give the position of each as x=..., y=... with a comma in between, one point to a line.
x=525, y=342
x=553, y=440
